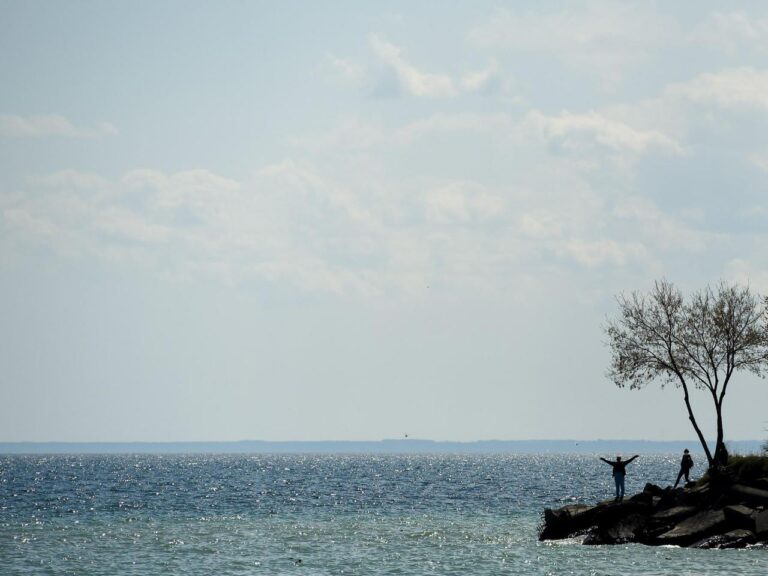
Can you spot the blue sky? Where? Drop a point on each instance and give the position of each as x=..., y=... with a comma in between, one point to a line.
x=307, y=220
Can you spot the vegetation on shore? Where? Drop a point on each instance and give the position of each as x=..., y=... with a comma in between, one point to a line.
x=742, y=469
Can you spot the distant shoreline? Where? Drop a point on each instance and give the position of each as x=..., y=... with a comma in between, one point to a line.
x=398, y=446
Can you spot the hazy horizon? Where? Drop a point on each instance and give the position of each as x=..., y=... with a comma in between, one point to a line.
x=384, y=446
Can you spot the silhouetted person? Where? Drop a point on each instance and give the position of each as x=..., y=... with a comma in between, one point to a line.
x=619, y=471
x=685, y=467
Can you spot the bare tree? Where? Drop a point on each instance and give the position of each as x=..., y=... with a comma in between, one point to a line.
x=698, y=343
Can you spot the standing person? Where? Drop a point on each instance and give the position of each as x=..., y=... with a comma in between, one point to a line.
x=619, y=471
x=685, y=467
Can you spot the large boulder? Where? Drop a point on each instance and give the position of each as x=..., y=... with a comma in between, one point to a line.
x=749, y=495
x=739, y=516
x=576, y=519
x=674, y=514
x=567, y=521
x=627, y=529
x=644, y=498
x=761, y=524
x=653, y=489
x=697, y=496
x=761, y=483
x=670, y=497
x=738, y=538
x=694, y=528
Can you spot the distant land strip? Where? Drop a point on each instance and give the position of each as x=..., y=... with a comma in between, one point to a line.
x=395, y=446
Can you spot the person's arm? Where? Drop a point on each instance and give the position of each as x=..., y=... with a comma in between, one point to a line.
x=606, y=461
x=633, y=457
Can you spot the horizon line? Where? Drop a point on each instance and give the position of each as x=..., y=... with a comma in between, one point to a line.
x=379, y=440
x=382, y=441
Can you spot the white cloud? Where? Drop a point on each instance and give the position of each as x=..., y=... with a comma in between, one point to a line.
x=541, y=226
x=357, y=133
x=87, y=215
x=601, y=38
x=290, y=224
x=351, y=133
x=71, y=179
x=736, y=87
x=759, y=160
x=666, y=232
x=429, y=85
x=601, y=252
x=752, y=272
x=480, y=80
x=127, y=225
x=442, y=123
x=731, y=32
x=200, y=190
x=576, y=130
x=294, y=224
x=462, y=202
x=348, y=71
x=38, y=126
x=412, y=80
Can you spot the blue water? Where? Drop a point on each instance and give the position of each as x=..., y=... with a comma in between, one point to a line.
x=285, y=514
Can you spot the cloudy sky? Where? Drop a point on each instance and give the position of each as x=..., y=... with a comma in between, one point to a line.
x=345, y=220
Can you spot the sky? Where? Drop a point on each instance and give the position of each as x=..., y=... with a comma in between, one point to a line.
x=355, y=221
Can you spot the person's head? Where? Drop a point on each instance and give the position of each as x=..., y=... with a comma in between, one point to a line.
x=618, y=458
x=685, y=451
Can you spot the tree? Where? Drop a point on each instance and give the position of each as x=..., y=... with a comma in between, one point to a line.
x=693, y=344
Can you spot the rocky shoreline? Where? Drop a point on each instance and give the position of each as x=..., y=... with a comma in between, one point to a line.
x=704, y=515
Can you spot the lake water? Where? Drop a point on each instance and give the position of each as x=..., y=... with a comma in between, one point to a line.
x=321, y=514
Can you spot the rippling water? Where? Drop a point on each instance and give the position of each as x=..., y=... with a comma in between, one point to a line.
x=272, y=514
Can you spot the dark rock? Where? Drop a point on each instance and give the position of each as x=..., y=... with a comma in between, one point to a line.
x=704, y=516
x=694, y=528
x=653, y=489
x=761, y=524
x=670, y=497
x=761, y=483
x=675, y=514
x=720, y=501
x=643, y=497
x=697, y=496
x=609, y=514
x=739, y=538
x=567, y=521
x=753, y=496
x=739, y=516
x=577, y=519
x=653, y=531
x=594, y=538
x=700, y=488
x=628, y=529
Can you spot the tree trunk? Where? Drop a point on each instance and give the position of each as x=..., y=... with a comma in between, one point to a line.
x=721, y=454
x=692, y=418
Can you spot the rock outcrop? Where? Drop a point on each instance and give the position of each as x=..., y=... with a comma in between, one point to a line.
x=700, y=516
